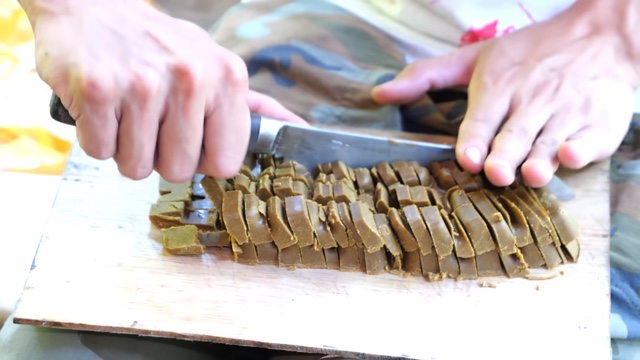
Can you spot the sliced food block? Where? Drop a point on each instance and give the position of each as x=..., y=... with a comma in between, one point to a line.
x=489, y=264
x=567, y=227
x=280, y=231
x=408, y=176
x=255, y=212
x=381, y=197
x=290, y=257
x=349, y=258
x=376, y=262
x=166, y=214
x=411, y=263
x=215, y=189
x=233, y=216
x=442, y=238
x=324, y=237
x=420, y=196
x=299, y=221
x=386, y=173
x=312, y=258
x=267, y=254
x=472, y=222
x=182, y=240
x=499, y=228
x=401, y=227
x=337, y=227
x=247, y=254
x=219, y=238
x=366, y=227
x=352, y=232
x=418, y=228
x=331, y=258
x=391, y=243
x=364, y=181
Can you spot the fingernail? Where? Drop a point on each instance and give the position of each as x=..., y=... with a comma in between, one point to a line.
x=473, y=154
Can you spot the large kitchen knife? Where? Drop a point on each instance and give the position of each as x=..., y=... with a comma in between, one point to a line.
x=310, y=145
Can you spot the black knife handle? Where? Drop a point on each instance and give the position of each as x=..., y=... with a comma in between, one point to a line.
x=59, y=113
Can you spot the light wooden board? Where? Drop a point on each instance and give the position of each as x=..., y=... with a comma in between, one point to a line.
x=100, y=267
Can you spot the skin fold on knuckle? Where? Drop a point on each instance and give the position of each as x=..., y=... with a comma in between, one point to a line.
x=234, y=72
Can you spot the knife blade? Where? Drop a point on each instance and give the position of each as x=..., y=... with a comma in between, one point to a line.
x=310, y=145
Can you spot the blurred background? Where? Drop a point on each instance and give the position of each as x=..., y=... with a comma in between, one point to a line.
x=33, y=147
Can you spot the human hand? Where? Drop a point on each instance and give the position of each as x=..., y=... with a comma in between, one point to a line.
x=149, y=90
x=558, y=92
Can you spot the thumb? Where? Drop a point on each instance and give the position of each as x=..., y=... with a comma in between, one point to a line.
x=268, y=106
x=415, y=80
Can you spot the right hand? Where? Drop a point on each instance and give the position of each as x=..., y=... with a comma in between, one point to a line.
x=149, y=90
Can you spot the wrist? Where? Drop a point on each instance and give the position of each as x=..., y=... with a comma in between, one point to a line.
x=38, y=9
x=615, y=22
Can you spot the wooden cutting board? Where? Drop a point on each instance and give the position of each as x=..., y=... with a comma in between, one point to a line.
x=100, y=266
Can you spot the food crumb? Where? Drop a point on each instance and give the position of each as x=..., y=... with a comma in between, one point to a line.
x=538, y=287
x=561, y=272
x=487, y=284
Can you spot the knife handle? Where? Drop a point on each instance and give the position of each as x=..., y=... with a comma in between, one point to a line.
x=58, y=112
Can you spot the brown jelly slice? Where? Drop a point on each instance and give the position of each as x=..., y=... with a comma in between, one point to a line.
x=418, y=228
x=411, y=263
x=312, y=258
x=442, y=239
x=364, y=181
x=267, y=254
x=381, y=197
x=290, y=257
x=472, y=222
x=419, y=196
x=401, y=227
x=408, y=176
x=233, y=216
x=182, y=240
x=386, y=173
x=337, y=227
x=349, y=258
x=499, y=228
x=280, y=232
x=215, y=189
x=565, y=225
x=255, y=212
x=366, y=227
x=331, y=258
x=299, y=221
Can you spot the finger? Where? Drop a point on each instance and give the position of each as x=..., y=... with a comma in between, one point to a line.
x=514, y=141
x=487, y=108
x=138, y=131
x=268, y=106
x=441, y=72
x=542, y=161
x=93, y=106
x=227, y=125
x=590, y=144
x=180, y=136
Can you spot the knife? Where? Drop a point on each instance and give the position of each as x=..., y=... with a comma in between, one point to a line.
x=310, y=146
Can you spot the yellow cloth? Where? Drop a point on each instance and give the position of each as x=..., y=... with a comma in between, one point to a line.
x=24, y=149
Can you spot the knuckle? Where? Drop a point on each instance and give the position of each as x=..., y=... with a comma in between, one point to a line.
x=144, y=84
x=235, y=71
x=96, y=89
x=187, y=73
x=548, y=142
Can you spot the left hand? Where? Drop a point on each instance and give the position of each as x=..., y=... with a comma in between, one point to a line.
x=554, y=93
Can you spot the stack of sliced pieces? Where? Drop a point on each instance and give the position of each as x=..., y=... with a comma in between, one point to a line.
x=404, y=218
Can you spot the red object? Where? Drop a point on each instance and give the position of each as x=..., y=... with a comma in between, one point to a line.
x=488, y=31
